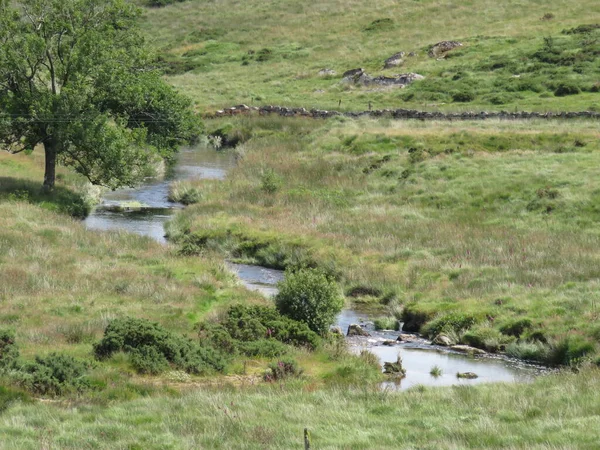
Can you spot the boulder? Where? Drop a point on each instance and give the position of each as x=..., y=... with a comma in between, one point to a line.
x=356, y=330
x=352, y=73
x=394, y=61
x=443, y=47
x=468, y=349
x=337, y=330
x=400, y=80
x=326, y=72
x=443, y=340
x=407, y=338
x=389, y=343
x=467, y=375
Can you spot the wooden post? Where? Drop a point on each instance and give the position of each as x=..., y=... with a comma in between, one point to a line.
x=306, y=439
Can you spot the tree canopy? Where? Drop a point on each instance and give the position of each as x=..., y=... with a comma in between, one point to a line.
x=76, y=78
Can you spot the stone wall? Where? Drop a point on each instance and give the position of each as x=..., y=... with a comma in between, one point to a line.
x=399, y=114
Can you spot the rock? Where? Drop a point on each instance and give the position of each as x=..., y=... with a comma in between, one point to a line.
x=407, y=338
x=389, y=343
x=356, y=330
x=441, y=48
x=394, y=60
x=467, y=375
x=394, y=369
x=443, y=340
x=337, y=330
x=352, y=73
x=397, y=80
x=326, y=72
x=468, y=349
x=412, y=54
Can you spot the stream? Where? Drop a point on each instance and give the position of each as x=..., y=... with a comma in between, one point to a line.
x=151, y=209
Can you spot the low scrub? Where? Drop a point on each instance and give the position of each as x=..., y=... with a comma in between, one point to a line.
x=153, y=348
x=283, y=369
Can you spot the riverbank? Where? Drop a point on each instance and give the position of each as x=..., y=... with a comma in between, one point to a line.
x=480, y=231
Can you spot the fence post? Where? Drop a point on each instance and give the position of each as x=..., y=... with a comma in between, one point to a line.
x=306, y=439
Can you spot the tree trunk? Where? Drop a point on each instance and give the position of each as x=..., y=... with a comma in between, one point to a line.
x=50, y=173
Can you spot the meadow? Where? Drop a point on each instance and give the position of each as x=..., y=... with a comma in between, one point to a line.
x=514, y=55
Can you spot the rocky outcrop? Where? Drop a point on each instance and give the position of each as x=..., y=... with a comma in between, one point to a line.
x=401, y=114
x=441, y=48
x=394, y=61
x=360, y=77
x=356, y=330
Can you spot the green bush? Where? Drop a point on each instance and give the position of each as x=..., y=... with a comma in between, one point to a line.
x=462, y=96
x=270, y=181
x=414, y=318
x=269, y=348
x=564, y=89
x=148, y=360
x=135, y=336
x=570, y=350
x=309, y=296
x=282, y=369
x=253, y=323
x=516, y=327
x=486, y=338
x=9, y=352
x=55, y=374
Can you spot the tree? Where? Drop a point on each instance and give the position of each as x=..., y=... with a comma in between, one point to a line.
x=309, y=296
x=77, y=79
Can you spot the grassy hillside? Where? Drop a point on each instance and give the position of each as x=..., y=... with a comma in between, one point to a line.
x=514, y=55
x=494, y=223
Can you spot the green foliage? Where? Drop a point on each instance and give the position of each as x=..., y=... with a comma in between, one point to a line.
x=269, y=348
x=516, y=327
x=486, y=338
x=454, y=323
x=9, y=352
x=270, y=182
x=570, y=350
x=161, y=3
x=436, y=371
x=309, y=296
x=151, y=345
x=55, y=374
x=413, y=317
x=83, y=85
x=283, y=369
x=565, y=88
x=244, y=324
x=384, y=24
x=386, y=323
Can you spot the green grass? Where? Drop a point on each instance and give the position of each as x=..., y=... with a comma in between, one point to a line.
x=558, y=411
x=270, y=52
x=496, y=220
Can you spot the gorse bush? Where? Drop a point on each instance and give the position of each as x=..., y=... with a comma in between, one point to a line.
x=282, y=369
x=309, y=296
x=9, y=352
x=151, y=346
x=257, y=331
x=55, y=374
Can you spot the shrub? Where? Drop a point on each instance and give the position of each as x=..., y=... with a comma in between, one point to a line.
x=270, y=181
x=282, y=369
x=309, y=296
x=252, y=323
x=269, y=348
x=131, y=335
x=462, y=96
x=486, y=338
x=414, y=318
x=564, y=89
x=148, y=360
x=9, y=352
x=570, y=350
x=516, y=327
x=55, y=374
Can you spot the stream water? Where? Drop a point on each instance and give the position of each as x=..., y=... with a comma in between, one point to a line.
x=418, y=356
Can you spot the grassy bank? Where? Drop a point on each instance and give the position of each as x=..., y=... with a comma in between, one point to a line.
x=517, y=56
x=559, y=411
x=485, y=230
